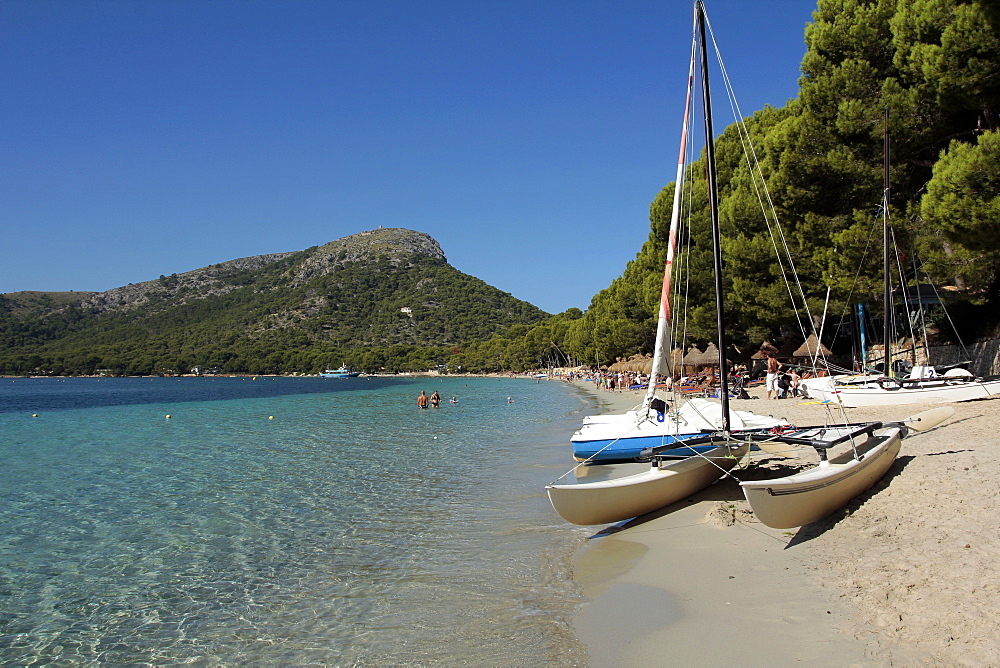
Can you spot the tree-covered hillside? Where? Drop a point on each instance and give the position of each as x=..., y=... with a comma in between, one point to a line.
x=292, y=312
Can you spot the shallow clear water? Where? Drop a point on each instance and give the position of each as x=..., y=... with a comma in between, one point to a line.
x=351, y=528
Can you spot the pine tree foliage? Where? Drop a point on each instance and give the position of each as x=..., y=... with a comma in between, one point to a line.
x=935, y=66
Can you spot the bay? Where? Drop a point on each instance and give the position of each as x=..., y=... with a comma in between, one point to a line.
x=285, y=520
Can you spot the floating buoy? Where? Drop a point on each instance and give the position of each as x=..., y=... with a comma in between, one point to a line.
x=34, y=415
x=270, y=417
x=167, y=416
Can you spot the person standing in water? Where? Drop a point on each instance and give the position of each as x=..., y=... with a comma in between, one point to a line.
x=435, y=400
x=422, y=400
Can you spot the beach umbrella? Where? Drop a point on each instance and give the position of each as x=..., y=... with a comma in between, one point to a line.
x=711, y=356
x=640, y=364
x=676, y=361
x=766, y=348
x=691, y=359
x=811, y=348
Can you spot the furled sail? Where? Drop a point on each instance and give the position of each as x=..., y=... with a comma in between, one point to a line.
x=661, y=351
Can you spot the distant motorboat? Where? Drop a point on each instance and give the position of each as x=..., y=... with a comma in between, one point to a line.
x=342, y=372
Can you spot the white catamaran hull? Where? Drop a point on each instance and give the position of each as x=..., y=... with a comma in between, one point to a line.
x=609, y=501
x=941, y=391
x=803, y=498
x=622, y=437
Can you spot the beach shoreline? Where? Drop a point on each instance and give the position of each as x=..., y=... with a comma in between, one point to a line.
x=903, y=575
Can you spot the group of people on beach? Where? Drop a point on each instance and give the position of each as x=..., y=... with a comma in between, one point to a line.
x=781, y=381
x=433, y=401
x=610, y=381
x=781, y=385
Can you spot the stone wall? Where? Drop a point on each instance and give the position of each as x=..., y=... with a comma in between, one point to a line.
x=985, y=355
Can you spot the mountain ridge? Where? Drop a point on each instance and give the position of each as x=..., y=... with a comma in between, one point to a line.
x=212, y=279
x=377, y=288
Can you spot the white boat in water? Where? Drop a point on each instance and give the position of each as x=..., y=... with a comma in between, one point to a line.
x=342, y=372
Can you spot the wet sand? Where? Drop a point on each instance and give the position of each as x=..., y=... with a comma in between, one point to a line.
x=905, y=574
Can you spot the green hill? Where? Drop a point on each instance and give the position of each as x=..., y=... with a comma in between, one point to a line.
x=282, y=312
x=32, y=302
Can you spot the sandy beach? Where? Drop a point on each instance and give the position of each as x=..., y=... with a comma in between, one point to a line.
x=906, y=574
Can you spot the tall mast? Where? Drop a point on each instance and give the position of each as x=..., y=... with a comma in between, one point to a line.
x=713, y=205
x=886, y=248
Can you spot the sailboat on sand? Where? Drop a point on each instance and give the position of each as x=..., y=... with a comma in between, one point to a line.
x=679, y=469
x=924, y=383
x=624, y=437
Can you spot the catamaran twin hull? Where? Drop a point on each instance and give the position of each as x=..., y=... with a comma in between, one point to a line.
x=804, y=498
x=607, y=501
x=780, y=503
x=811, y=495
x=890, y=393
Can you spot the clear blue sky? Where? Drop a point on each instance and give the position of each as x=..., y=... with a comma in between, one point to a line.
x=140, y=138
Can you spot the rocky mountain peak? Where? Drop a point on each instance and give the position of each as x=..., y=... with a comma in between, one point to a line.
x=218, y=279
x=390, y=241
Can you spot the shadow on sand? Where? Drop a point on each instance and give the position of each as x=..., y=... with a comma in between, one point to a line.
x=816, y=529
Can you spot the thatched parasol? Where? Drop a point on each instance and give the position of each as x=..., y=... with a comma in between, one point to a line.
x=766, y=349
x=810, y=347
x=676, y=361
x=692, y=358
x=711, y=356
x=640, y=364
x=634, y=364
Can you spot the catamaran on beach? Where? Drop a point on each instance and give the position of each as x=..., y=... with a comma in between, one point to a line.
x=694, y=451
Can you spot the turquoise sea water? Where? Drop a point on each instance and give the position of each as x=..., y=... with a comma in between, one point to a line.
x=351, y=528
